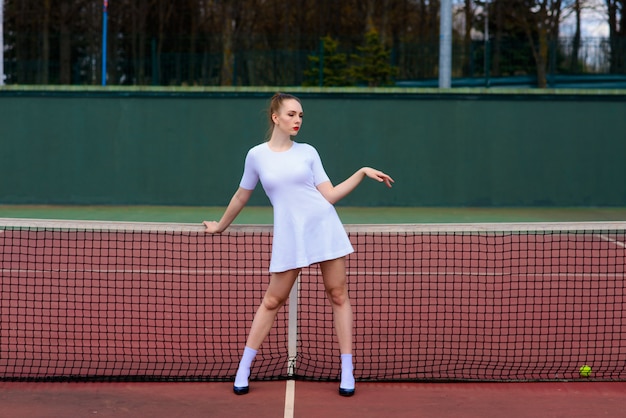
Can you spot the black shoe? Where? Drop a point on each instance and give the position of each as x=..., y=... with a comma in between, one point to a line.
x=241, y=390
x=346, y=392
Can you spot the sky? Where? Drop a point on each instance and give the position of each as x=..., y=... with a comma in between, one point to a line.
x=593, y=21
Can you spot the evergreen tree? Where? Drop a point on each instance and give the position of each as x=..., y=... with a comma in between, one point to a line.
x=373, y=65
x=333, y=66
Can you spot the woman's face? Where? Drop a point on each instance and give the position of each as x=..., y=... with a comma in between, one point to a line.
x=289, y=117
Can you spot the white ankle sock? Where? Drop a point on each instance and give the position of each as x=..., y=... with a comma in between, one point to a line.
x=347, y=378
x=243, y=372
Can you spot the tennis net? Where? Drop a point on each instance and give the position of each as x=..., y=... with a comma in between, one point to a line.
x=154, y=301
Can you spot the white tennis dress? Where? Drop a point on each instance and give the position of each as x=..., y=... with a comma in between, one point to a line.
x=307, y=228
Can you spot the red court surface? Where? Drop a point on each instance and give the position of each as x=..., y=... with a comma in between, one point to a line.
x=313, y=399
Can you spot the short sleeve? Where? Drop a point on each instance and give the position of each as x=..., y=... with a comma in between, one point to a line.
x=250, y=176
x=319, y=174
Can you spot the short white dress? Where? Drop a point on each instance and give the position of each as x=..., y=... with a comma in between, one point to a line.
x=307, y=229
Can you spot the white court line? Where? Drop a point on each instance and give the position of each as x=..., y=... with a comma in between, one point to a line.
x=613, y=241
x=290, y=398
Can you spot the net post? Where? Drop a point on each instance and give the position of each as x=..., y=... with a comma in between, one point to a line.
x=293, y=328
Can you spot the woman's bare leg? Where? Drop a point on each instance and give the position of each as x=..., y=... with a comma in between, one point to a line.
x=275, y=297
x=334, y=272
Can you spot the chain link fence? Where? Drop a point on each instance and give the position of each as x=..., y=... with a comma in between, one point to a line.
x=179, y=61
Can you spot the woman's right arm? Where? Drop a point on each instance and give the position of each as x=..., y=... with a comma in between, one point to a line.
x=237, y=203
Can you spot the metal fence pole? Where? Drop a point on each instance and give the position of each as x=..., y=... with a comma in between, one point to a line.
x=1, y=43
x=445, y=44
x=105, y=12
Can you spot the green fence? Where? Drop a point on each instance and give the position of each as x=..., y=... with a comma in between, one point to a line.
x=144, y=64
x=186, y=147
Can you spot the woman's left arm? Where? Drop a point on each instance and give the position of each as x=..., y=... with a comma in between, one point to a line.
x=335, y=193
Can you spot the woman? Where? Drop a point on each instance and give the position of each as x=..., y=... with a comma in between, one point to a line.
x=307, y=229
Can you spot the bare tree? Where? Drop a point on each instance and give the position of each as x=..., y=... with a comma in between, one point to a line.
x=266, y=42
x=574, y=63
x=616, y=10
x=233, y=16
x=468, y=12
x=66, y=13
x=540, y=20
x=498, y=10
x=45, y=41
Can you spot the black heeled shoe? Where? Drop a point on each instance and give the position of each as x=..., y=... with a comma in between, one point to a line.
x=346, y=392
x=241, y=390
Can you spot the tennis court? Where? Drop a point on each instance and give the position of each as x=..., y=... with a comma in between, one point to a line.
x=313, y=399
x=443, y=314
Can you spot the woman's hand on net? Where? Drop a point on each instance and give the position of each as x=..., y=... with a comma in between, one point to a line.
x=212, y=227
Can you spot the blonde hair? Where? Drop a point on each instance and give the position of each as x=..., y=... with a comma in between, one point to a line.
x=274, y=107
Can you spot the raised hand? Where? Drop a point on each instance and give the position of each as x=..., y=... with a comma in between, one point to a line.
x=378, y=175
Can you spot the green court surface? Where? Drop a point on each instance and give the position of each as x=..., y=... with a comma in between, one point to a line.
x=349, y=215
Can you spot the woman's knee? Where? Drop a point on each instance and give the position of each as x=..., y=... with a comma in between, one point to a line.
x=278, y=291
x=273, y=302
x=338, y=295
